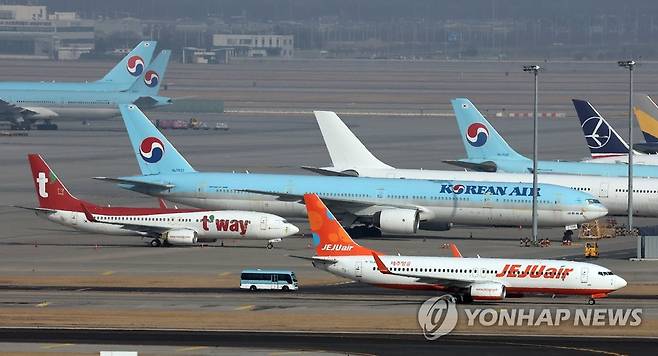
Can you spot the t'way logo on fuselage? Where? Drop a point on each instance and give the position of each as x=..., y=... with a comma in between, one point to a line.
x=534, y=271
x=487, y=189
x=233, y=225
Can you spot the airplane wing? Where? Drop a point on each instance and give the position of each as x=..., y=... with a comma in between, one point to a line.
x=327, y=172
x=352, y=206
x=149, y=185
x=447, y=282
x=7, y=108
x=316, y=259
x=487, y=166
x=39, y=210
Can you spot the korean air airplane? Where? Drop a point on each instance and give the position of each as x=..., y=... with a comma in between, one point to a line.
x=351, y=158
x=469, y=279
x=164, y=226
x=487, y=151
x=391, y=205
x=99, y=100
x=605, y=144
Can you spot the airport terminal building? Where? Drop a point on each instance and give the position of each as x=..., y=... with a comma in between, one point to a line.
x=30, y=32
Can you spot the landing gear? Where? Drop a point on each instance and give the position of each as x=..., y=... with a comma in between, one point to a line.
x=47, y=125
x=21, y=126
x=270, y=243
x=156, y=243
x=364, y=231
x=464, y=299
x=591, y=301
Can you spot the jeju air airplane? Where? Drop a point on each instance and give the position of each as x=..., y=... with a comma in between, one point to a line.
x=469, y=279
x=165, y=226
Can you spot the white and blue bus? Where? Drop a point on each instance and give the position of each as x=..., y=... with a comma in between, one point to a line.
x=255, y=279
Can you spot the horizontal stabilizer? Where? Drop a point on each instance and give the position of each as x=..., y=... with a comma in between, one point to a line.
x=39, y=210
x=149, y=185
x=328, y=172
x=487, y=166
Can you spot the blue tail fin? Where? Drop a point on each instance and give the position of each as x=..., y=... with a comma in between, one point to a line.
x=153, y=151
x=602, y=139
x=149, y=84
x=480, y=139
x=132, y=66
x=646, y=114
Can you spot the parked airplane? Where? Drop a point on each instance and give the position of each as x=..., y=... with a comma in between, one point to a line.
x=392, y=205
x=26, y=106
x=162, y=225
x=605, y=144
x=487, y=151
x=646, y=114
x=468, y=279
x=351, y=158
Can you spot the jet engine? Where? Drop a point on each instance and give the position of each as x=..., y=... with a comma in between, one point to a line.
x=488, y=291
x=435, y=226
x=397, y=221
x=180, y=237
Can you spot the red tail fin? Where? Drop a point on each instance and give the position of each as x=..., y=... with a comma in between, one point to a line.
x=51, y=193
x=329, y=237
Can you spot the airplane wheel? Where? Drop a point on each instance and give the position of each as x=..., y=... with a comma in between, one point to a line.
x=253, y=288
x=155, y=243
x=591, y=301
x=270, y=245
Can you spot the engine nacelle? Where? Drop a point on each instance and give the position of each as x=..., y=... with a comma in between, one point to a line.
x=488, y=291
x=435, y=226
x=397, y=221
x=180, y=237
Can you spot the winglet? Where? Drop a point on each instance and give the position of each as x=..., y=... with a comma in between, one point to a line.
x=162, y=203
x=455, y=251
x=88, y=214
x=381, y=267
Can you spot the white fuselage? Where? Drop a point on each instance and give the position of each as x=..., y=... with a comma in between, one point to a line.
x=638, y=158
x=208, y=225
x=611, y=191
x=517, y=275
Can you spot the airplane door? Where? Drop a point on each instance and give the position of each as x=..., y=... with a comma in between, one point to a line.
x=584, y=275
x=380, y=193
x=603, y=190
x=357, y=270
x=263, y=223
x=74, y=219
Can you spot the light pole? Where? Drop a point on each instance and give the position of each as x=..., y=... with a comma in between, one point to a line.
x=534, y=69
x=630, y=65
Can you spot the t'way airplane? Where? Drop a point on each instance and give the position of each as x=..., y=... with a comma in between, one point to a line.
x=391, y=205
x=25, y=104
x=467, y=278
x=351, y=158
x=165, y=226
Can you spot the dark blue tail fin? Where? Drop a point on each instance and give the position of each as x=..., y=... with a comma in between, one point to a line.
x=602, y=139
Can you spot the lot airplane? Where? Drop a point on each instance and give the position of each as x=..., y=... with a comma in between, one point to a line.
x=392, y=205
x=469, y=279
x=25, y=107
x=487, y=151
x=162, y=225
x=351, y=158
x=604, y=143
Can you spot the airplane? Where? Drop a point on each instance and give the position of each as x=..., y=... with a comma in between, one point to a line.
x=468, y=279
x=391, y=205
x=120, y=77
x=487, y=151
x=164, y=226
x=23, y=108
x=605, y=144
x=351, y=158
x=646, y=114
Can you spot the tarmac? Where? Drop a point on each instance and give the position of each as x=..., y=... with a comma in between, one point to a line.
x=52, y=276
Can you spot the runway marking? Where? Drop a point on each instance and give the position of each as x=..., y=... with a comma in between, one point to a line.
x=56, y=346
x=42, y=305
x=193, y=348
x=582, y=349
x=224, y=274
x=246, y=307
x=107, y=273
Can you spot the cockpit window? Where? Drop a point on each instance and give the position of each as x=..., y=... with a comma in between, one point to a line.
x=593, y=201
x=606, y=273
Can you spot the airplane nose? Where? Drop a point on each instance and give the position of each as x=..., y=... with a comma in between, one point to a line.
x=594, y=211
x=291, y=229
x=620, y=282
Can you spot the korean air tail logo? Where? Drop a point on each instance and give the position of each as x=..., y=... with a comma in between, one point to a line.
x=151, y=79
x=597, y=132
x=151, y=149
x=477, y=134
x=135, y=66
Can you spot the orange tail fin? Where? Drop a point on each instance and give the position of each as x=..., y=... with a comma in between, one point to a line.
x=329, y=237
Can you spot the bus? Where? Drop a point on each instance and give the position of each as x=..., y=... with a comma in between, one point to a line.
x=255, y=279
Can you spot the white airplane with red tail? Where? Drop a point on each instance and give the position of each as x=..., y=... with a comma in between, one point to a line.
x=468, y=279
x=164, y=225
